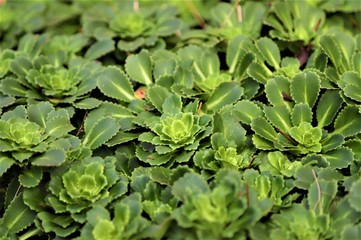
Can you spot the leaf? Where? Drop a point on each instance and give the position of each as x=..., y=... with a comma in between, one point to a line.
x=122, y=137
x=11, y=87
x=348, y=122
x=139, y=67
x=31, y=177
x=269, y=51
x=157, y=95
x=354, y=196
x=87, y=103
x=17, y=216
x=276, y=89
x=100, y=132
x=114, y=83
x=38, y=113
x=225, y=93
x=20, y=66
x=321, y=194
x=58, y=126
x=305, y=88
x=332, y=142
x=100, y=49
x=51, y=158
x=172, y=104
x=339, y=158
x=264, y=129
x=329, y=104
x=5, y=163
x=301, y=113
x=245, y=111
x=235, y=51
x=304, y=177
x=189, y=186
x=332, y=50
x=279, y=117
x=259, y=72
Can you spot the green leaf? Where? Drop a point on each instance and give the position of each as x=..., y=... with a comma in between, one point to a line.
x=269, y=51
x=301, y=113
x=20, y=66
x=351, y=232
x=339, y=158
x=264, y=129
x=327, y=107
x=38, y=113
x=259, y=72
x=139, y=67
x=304, y=177
x=51, y=158
x=305, y=88
x=114, y=83
x=157, y=95
x=348, y=122
x=277, y=89
x=332, y=142
x=280, y=117
x=235, y=51
x=58, y=126
x=354, y=196
x=172, y=104
x=321, y=195
x=100, y=132
x=189, y=186
x=100, y=49
x=11, y=87
x=225, y=93
x=122, y=137
x=245, y=111
x=332, y=50
x=17, y=216
x=87, y=103
x=5, y=163
x=31, y=177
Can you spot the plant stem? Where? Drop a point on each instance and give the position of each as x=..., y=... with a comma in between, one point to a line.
x=29, y=234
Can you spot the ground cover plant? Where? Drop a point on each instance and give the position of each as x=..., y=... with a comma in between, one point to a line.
x=197, y=119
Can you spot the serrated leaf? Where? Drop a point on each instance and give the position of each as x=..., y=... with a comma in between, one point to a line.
x=139, y=67
x=332, y=50
x=354, y=197
x=235, y=51
x=356, y=62
x=305, y=88
x=189, y=186
x=51, y=158
x=20, y=66
x=38, y=113
x=264, y=129
x=301, y=113
x=327, y=107
x=245, y=111
x=100, y=132
x=269, y=51
x=339, y=158
x=31, y=177
x=11, y=87
x=276, y=90
x=35, y=198
x=332, y=142
x=348, y=122
x=5, y=163
x=157, y=95
x=259, y=72
x=279, y=117
x=58, y=126
x=225, y=93
x=122, y=137
x=87, y=103
x=304, y=177
x=114, y=83
x=100, y=49
x=321, y=194
x=172, y=104
x=17, y=216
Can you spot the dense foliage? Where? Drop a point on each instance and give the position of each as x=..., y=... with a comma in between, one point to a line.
x=196, y=119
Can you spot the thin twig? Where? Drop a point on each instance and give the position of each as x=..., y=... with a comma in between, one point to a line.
x=239, y=14
x=319, y=192
x=293, y=142
x=199, y=108
x=80, y=130
x=196, y=14
x=235, y=7
x=136, y=5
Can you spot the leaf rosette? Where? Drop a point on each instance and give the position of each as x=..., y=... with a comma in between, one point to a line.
x=176, y=130
x=36, y=135
x=46, y=79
